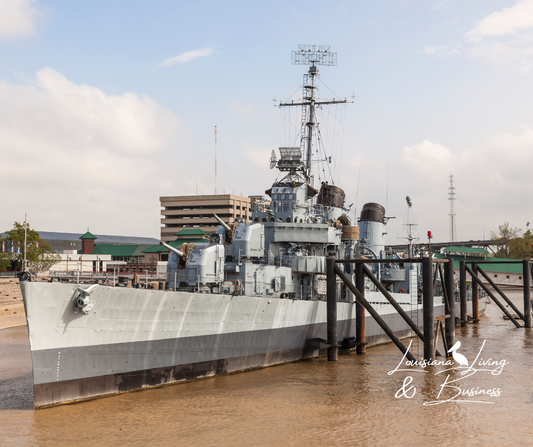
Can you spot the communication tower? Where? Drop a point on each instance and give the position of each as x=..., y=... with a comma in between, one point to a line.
x=453, y=231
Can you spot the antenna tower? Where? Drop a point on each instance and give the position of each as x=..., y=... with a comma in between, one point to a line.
x=311, y=55
x=453, y=231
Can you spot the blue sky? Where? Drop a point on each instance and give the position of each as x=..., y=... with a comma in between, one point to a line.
x=94, y=126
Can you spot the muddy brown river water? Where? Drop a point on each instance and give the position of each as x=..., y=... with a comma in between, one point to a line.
x=311, y=403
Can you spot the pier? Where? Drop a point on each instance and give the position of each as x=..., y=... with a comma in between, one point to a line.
x=431, y=269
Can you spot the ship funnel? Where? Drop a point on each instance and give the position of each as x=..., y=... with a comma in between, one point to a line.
x=372, y=212
x=372, y=228
x=175, y=250
x=330, y=195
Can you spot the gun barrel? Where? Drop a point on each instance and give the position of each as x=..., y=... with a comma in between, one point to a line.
x=175, y=250
x=224, y=224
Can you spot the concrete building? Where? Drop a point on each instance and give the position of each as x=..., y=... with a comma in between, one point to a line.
x=181, y=212
x=84, y=263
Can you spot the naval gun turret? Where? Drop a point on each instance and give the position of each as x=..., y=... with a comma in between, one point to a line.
x=195, y=267
x=172, y=249
x=229, y=229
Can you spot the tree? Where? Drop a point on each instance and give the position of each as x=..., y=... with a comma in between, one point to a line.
x=511, y=243
x=39, y=255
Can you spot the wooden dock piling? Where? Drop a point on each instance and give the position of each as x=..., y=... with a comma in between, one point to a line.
x=526, y=275
x=462, y=293
x=428, y=311
x=360, y=334
x=450, y=292
x=331, y=291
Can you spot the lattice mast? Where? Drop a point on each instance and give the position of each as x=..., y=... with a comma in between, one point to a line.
x=312, y=55
x=453, y=231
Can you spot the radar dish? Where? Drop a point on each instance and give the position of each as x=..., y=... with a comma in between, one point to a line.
x=314, y=55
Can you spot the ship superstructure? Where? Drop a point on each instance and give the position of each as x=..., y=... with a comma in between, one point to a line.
x=251, y=297
x=282, y=253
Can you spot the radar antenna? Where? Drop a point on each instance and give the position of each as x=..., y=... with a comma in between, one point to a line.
x=312, y=55
x=410, y=226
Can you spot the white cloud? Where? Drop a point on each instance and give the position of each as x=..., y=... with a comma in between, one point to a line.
x=187, y=56
x=426, y=156
x=492, y=177
x=504, y=37
x=518, y=17
x=74, y=155
x=441, y=50
x=18, y=18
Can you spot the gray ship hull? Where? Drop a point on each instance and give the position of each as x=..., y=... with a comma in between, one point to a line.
x=136, y=338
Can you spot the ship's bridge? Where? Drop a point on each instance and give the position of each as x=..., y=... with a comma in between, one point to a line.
x=291, y=202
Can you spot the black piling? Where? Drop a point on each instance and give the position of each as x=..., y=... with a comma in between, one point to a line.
x=331, y=291
x=495, y=287
x=360, y=330
x=496, y=300
x=475, y=294
x=394, y=303
x=361, y=299
x=526, y=281
x=462, y=292
x=450, y=296
x=427, y=304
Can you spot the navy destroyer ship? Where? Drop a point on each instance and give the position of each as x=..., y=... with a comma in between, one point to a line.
x=253, y=296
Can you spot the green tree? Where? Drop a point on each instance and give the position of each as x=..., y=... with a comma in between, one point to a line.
x=39, y=255
x=511, y=243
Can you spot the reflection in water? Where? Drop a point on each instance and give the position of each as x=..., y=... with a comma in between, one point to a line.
x=314, y=402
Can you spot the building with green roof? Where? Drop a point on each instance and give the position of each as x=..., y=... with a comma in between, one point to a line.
x=501, y=270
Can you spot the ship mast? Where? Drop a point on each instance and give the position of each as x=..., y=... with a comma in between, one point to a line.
x=312, y=55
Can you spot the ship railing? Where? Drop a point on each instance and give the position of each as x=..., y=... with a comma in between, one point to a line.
x=283, y=261
x=106, y=277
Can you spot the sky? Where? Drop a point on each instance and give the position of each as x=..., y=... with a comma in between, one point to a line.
x=105, y=106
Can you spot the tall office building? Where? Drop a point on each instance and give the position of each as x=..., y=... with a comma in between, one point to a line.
x=181, y=212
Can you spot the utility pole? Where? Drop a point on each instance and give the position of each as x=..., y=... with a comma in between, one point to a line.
x=215, y=160
x=25, y=239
